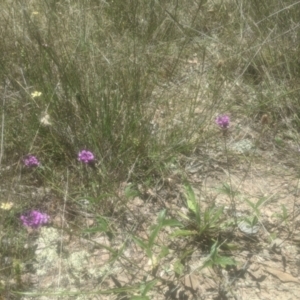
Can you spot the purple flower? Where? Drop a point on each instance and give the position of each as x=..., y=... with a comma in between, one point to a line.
x=31, y=161
x=34, y=219
x=223, y=121
x=86, y=156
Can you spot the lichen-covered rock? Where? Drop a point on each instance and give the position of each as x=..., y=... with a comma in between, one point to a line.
x=242, y=147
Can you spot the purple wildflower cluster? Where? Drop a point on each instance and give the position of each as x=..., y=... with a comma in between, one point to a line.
x=34, y=219
x=86, y=156
x=31, y=161
x=223, y=121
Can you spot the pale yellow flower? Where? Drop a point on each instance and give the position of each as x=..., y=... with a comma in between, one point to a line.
x=36, y=94
x=6, y=205
x=45, y=120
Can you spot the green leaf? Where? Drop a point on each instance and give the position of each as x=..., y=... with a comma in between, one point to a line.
x=102, y=226
x=161, y=216
x=252, y=221
x=163, y=252
x=227, y=190
x=273, y=236
x=178, y=267
x=190, y=198
x=216, y=214
x=140, y=243
x=172, y=223
x=148, y=286
x=250, y=203
x=207, y=264
x=156, y=228
x=284, y=212
x=207, y=213
x=130, y=192
x=182, y=215
x=139, y=298
x=228, y=223
x=230, y=246
x=186, y=253
x=224, y=261
x=202, y=229
x=260, y=202
x=214, y=250
x=184, y=233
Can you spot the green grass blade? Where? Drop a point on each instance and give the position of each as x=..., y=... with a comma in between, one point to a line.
x=178, y=233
